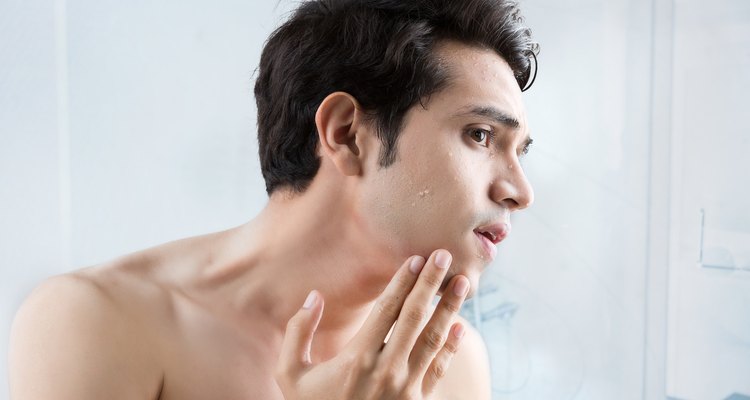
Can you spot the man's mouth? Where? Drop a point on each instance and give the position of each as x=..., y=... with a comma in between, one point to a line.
x=495, y=233
x=490, y=235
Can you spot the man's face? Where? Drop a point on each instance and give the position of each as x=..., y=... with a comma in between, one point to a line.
x=452, y=181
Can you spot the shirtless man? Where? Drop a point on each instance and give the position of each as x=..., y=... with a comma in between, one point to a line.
x=390, y=134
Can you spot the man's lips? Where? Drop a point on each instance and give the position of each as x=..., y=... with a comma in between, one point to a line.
x=495, y=233
x=491, y=235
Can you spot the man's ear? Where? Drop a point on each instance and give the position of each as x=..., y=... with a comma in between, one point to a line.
x=337, y=120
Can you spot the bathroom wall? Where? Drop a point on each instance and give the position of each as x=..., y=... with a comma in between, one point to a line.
x=638, y=118
x=126, y=125
x=162, y=121
x=709, y=300
x=122, y=126
x=564, y=311
x=31, y=240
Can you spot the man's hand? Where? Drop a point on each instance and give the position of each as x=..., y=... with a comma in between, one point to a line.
x=408, y=366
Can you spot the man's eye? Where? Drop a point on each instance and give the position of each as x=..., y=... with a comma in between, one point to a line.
x=480, y=136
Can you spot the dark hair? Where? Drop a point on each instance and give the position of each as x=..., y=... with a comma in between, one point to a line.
x=378, y=51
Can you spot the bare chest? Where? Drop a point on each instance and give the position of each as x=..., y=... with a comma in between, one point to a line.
x=207, y=357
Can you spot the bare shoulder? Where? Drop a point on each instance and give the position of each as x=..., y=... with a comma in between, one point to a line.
x=75, y=338
x=468, y=376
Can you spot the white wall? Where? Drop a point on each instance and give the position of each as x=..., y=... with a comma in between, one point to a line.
x=162, y=120
x=570, y=280
x=709, y=307
x=30, y=217
x=124, y=125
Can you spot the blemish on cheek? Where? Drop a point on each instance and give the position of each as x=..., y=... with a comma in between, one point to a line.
x=424, y=193
x=510, y=166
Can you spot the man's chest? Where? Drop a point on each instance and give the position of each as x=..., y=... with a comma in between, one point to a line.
x=219, y=370
x=208, y=357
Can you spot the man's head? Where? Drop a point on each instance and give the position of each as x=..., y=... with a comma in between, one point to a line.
x=382, y=52
x=414, y=109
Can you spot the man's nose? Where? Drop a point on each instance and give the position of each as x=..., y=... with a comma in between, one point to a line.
x=511, y=188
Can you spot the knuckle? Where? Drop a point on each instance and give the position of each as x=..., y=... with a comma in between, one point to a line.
x=439, y=370
x=386, y=379
x=364, y=363
x=451, y=347
x=433, y=281
x=452, y=306
x=390, y=385
x=422, y=363
x=434, y=340
x=388, y=307
x=403, y=281
x=415, y=314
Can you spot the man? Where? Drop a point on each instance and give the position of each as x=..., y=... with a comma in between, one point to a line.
x=390, y=134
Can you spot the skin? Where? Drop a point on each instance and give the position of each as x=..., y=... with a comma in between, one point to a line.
x=221, y=316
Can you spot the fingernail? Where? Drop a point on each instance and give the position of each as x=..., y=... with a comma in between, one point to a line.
x=442, y=259
x=461, y=287
x=310, y=300
x=417, y=262
x=458, y=331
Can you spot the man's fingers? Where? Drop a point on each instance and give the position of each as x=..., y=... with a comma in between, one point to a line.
x=295, y=349
x=434, y=334
x=417, y=306
x=440, y=364
x=388, y=305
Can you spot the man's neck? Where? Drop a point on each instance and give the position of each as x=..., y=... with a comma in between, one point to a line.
x=297, y=244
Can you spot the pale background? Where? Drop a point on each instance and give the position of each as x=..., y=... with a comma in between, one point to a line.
x=127, y=124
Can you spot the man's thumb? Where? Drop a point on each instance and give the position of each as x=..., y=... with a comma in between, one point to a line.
x=295, y=350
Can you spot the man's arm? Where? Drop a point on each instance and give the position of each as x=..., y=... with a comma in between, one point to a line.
x=71, y=340
x=468, y=377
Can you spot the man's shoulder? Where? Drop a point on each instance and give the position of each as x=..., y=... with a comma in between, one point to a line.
x=107, y=289
x=74, y=335
x=468, y=376
x=120, y=286
x=93, y=305
x=74, y=296
x=472, y=348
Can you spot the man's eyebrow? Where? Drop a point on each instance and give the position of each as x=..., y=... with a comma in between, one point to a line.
x=490, y=112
